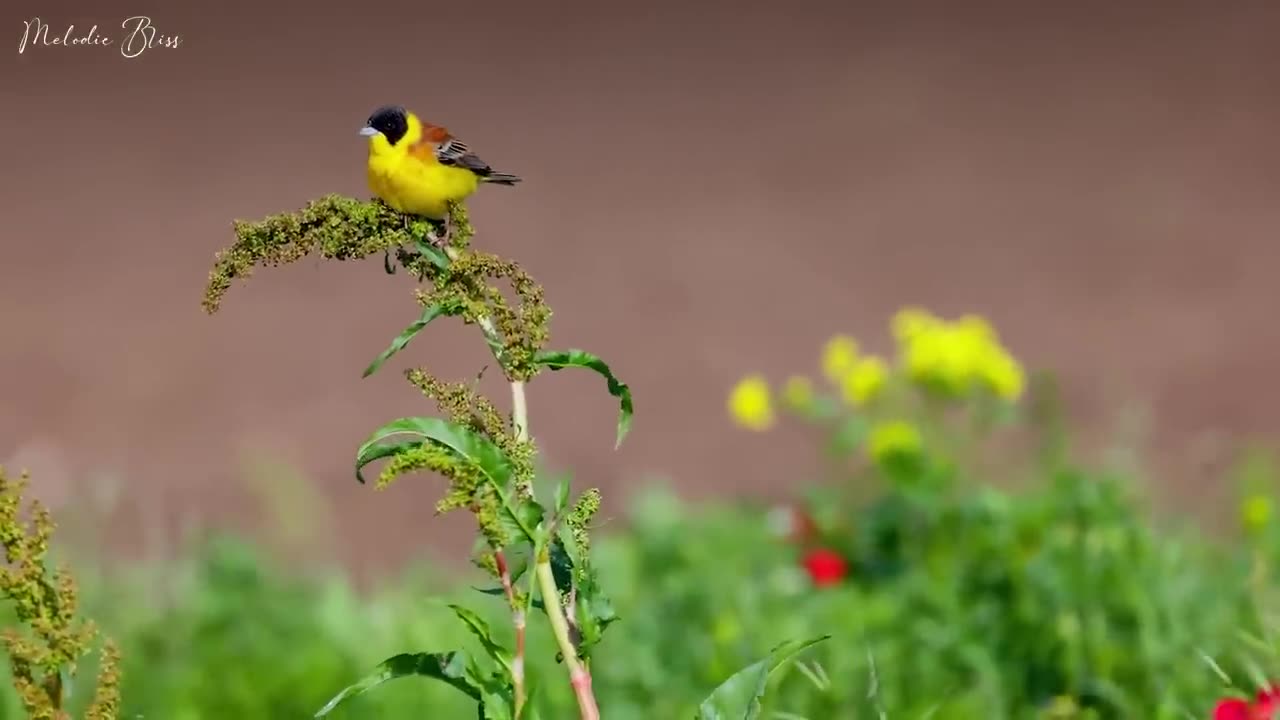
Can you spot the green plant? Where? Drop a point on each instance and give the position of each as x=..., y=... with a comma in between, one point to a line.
x=43, y=661
x=529, y=546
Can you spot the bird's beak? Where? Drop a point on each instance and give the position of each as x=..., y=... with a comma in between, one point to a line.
x=368, y=131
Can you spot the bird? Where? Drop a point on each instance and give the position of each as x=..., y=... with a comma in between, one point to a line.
x=418, y=168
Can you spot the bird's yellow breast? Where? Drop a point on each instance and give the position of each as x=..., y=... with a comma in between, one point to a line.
x=413, y=186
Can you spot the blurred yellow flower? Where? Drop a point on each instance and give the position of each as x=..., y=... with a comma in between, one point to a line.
x=978, y=327
x=954, y=357
x=910, y=322
x=1255, y=512
x=750, y=405
x=893, y=438
x=1003, y=374
x=797, y=392
x=838, y=356
x=864, y=380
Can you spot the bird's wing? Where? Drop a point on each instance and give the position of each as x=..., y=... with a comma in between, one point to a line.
x=448, y=150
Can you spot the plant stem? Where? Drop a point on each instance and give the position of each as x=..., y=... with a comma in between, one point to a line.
x=518, y=619
x=579, y=677
x=519, y=412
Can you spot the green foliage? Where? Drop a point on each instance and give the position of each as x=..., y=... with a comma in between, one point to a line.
x=47, y=638
x=487, y=459
x=429, y=312
x=738, y=698
x=936, y=593
x=1003, y=605
x=583, y=359
x=450, y=668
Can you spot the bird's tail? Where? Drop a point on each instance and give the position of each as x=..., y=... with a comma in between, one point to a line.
x=501, y=178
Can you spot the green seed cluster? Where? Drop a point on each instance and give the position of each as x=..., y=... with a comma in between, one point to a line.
x=335, y=227
x=45, y=603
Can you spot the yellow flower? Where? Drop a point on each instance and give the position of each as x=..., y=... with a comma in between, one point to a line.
x=864, y=380
x=893, y=438
x=750, y=405
x=910, y=322
x=797, y=392
x=977, y=326
x=1255, y=512
x=1003, y=374
x=954, y=357
x=838, y=356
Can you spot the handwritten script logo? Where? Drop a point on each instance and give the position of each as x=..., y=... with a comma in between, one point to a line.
x=138, y=35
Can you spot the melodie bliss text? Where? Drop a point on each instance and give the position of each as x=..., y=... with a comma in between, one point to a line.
x=137, y=35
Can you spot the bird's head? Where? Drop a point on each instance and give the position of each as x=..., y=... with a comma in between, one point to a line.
x=389, y=122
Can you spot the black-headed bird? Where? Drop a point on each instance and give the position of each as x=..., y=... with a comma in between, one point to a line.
x=419, y=168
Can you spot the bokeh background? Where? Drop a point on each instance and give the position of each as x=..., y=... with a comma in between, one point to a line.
x=711, y=188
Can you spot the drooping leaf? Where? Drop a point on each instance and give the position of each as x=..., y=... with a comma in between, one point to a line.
x=447, y=667
x=739, y=697
x=465, y=442
x=429, y=313
x=560, y=359
x=521, y=516
x=379, y=452
x=480, y=629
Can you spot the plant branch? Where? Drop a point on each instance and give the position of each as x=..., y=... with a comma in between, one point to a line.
x=520, y=428
x=518, y=620
x=579, y=677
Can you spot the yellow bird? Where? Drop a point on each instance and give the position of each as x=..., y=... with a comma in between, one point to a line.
x=418, y=168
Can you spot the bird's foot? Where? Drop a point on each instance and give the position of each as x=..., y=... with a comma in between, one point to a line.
x=439, y=237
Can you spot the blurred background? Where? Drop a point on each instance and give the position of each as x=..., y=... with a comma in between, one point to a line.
x=711, y=190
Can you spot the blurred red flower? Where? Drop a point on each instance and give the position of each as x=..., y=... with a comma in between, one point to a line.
x=826, y=567
x=1264, y=706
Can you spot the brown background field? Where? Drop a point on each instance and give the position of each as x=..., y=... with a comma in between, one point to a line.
x=710, y=190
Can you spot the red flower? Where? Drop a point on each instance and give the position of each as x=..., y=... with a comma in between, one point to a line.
x=1264, y=706
x=826, y=567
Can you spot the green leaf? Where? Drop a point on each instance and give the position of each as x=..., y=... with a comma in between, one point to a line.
x=448, y=667
x=497, y=703
x=562, y=495
x=432, y=253
x=561, y=566
x=572, y=570
x=386, y=450
x=739, y=697
x=558, y=360
x=501, y=591
x=480, y=629
x=429, y=313
x=468, y=445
